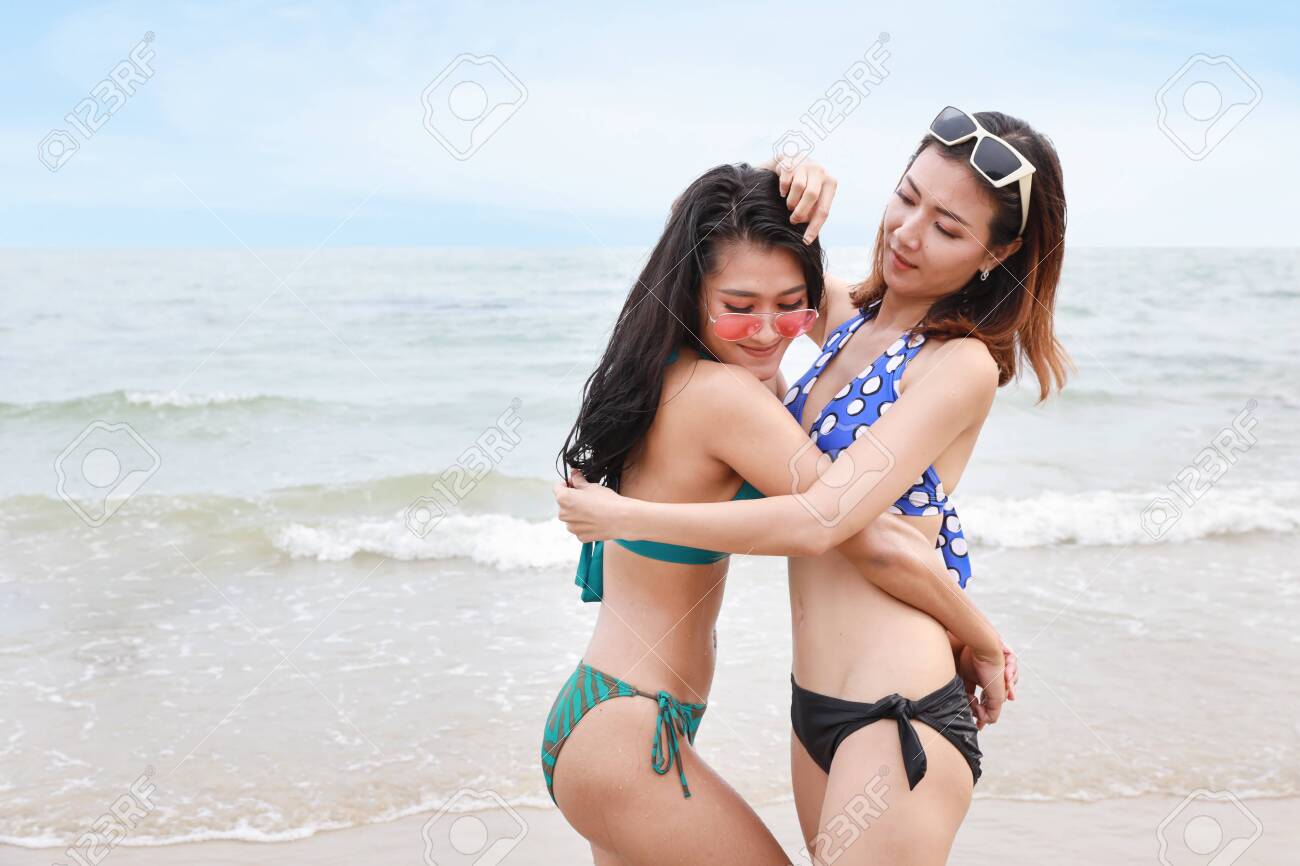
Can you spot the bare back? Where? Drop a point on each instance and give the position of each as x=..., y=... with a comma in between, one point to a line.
x=656, y=623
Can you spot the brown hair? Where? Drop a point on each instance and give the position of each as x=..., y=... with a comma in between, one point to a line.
x=1010, y=312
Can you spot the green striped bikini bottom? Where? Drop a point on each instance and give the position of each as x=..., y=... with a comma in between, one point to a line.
x=587, y=687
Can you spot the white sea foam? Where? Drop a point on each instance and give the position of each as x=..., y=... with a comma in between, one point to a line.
x=497, y=540
x=243, y=830
x=183, y=400
x=1096, y=518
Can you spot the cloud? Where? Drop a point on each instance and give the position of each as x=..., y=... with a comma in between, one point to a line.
x=303, y=111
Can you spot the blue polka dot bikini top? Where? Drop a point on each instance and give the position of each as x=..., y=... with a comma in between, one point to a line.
x=856, y=406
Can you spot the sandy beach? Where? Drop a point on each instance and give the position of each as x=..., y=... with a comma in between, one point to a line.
x=996, y=832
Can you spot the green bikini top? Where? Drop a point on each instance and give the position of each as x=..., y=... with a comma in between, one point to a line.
x=591, y=565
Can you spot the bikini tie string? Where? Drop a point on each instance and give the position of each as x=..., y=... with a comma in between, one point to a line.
x=903, y=710
x=667, y=749
x=590, y=576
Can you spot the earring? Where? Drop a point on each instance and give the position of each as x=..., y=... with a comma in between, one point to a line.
x=984, y=275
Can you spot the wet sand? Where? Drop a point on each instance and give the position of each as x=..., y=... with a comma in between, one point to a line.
x=995, y=832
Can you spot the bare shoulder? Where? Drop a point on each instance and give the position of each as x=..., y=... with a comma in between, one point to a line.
x=965, y=361
x=711, y=390
x=713, y=380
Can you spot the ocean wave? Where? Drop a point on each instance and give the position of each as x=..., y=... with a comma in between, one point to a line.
x=184, y=401
x=242, y=830
x=1088, y=519
x=124, y=400
x=498, y=540
x=1099, y=518
x=506, y=522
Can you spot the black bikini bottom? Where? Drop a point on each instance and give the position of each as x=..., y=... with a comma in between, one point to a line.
x=822, y=722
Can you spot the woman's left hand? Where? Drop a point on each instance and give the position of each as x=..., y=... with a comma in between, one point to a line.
x=975, y=677
x=1012, y=670
x=588, y=510
x=809, y=190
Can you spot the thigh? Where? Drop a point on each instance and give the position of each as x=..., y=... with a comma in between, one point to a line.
x=608, y=791
x=809, y=782
x=870, y=815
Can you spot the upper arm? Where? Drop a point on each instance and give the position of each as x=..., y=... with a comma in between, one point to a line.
x=743, y=425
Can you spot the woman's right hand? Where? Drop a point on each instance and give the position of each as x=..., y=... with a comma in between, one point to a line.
x=589, y=511
x=809, y=190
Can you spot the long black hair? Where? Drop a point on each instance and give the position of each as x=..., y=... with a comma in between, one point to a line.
x=726, y=204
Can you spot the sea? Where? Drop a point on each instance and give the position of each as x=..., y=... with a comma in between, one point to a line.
x=277, y=541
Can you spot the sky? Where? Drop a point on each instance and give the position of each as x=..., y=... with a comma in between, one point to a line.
x=525, y=125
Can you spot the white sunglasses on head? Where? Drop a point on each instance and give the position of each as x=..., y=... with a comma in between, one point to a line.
x=997, y=161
